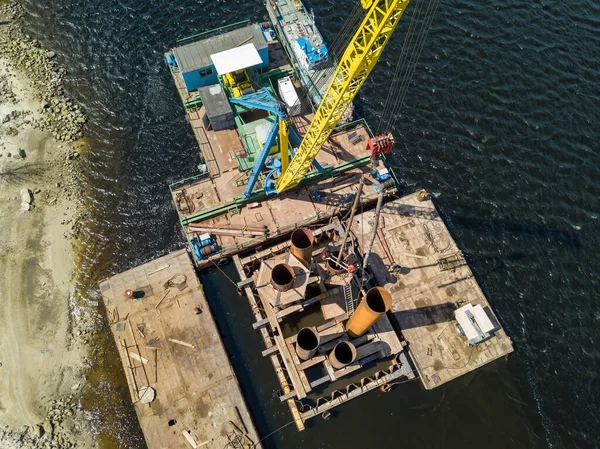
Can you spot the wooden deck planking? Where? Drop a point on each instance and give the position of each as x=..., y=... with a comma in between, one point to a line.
x=195, y=386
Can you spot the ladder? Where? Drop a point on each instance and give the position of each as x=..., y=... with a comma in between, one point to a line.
x=348, y=299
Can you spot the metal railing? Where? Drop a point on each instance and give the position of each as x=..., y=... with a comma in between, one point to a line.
x=214, y=31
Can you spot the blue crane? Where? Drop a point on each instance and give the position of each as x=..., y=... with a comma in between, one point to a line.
x=264, y=100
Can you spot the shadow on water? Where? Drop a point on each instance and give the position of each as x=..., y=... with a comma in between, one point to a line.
x=485, y=222
x=107, y=398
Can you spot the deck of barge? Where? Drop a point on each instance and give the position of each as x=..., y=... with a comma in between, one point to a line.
x=431, y=282
x=168, y=340
x=214, y=199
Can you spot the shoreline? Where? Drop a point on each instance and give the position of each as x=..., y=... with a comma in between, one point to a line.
x=43, y=348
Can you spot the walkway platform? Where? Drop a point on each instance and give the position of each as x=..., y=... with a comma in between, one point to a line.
x=431, y=282
x=168, y=340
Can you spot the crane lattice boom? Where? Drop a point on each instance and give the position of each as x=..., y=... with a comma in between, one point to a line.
x=353, y=69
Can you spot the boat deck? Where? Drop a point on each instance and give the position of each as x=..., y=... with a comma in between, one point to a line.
x=168, y=340
x=343, y=157
x=214, y=199
x=291, y=22
x=267, y=219
x=433, y=280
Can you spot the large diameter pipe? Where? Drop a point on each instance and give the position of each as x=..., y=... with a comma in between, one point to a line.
x=282, y=277
x=302, y=240
x=375, y=303
x=307, y=343
x=343, y=354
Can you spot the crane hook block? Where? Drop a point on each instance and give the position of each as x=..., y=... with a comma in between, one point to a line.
x=381, y=144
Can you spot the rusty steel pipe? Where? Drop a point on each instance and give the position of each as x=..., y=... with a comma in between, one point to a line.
x=333, y=264
x=307, y=343
x=302, y=240
x=343, y=354
x=375, y=303
x=282, y=277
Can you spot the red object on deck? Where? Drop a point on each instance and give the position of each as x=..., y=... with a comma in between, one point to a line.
x=351, y=268
x=129, y=293
x=253, y=205
x=381, y=144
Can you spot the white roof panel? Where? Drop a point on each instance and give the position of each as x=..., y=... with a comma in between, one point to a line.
x=485, y=324
x=262, y=132
x=465, y=322
x=287, y=91
x=236, y=59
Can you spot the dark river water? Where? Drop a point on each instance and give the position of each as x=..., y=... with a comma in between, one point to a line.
x=501, y=123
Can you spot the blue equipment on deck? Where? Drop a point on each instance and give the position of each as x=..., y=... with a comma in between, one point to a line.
x=274, y=166
x=264, y=100
x=315, y=57
x=382, y=175
x=204, y=246
x=261, y=99
x=171, y=61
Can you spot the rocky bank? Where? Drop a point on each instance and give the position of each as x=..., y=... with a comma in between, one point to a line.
x=60, y=114
x=43, y=331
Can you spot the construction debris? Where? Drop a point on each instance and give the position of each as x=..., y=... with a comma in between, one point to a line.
x=182, y=343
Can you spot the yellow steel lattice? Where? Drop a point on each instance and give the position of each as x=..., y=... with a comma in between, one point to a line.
x=356, y=64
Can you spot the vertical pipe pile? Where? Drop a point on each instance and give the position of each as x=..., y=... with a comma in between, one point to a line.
x=376, y=302
x=333, y=263
x=282, y=277
x=342, y=355
x=302, y=245
x=307, y=343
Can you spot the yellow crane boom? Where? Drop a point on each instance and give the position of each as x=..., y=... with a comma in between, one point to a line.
x=356, y=64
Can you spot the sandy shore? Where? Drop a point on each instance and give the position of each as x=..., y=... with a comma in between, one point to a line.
x=43, y=363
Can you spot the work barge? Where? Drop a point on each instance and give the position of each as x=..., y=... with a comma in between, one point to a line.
x=353, y=283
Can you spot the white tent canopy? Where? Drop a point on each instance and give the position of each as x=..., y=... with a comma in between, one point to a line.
x=237, y=58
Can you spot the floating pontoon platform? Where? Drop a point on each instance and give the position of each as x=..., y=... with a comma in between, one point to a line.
x=168, y=341
x=180, y=378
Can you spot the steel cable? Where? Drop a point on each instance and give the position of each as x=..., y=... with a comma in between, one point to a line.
x=414, y=60
x=406, y=65
x=400, y=64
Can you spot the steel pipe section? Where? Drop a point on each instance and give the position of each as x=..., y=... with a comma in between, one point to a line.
x=343, y=354
x=332, y=265
x=282, y=277
x=307, y=343
x=302, y=240
x=376, y=302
